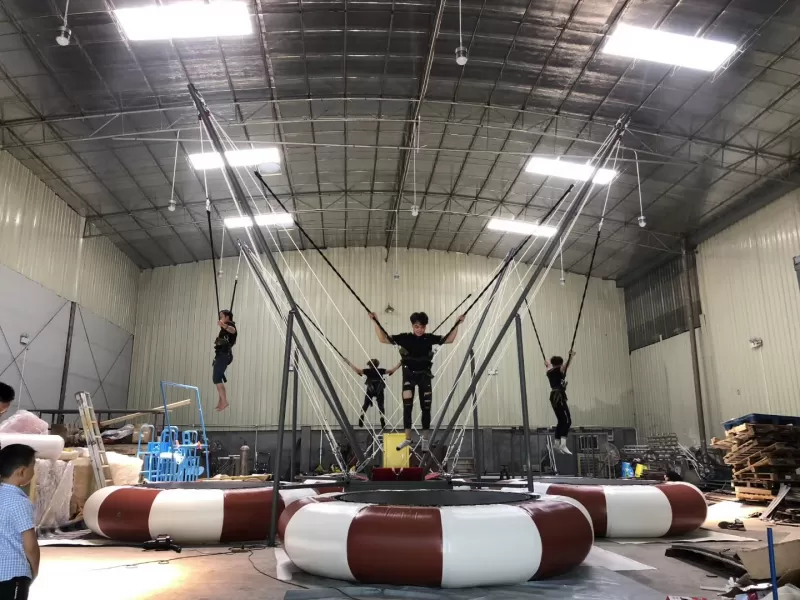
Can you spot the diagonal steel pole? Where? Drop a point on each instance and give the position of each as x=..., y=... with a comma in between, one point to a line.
x=263, y=248
x=464, y=361
x=260, y=281
x=549, y=250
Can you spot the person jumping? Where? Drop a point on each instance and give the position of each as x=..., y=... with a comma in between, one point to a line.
x=223, y=355
x=416, y=356
x=375, y=387
x=557, y=374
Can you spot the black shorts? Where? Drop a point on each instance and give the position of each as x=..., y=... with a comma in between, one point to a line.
x=219, y=366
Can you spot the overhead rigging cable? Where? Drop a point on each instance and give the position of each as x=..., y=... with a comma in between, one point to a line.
x=321, y=253
x=211, y=231
x=591, y=261
x=509, y=258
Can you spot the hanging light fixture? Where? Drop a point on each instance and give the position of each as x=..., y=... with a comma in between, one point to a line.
x=461, y=51
x=64, y=33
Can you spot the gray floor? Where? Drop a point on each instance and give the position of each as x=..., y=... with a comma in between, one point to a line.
x=212, y=572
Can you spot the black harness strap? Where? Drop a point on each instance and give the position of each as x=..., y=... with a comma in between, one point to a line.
x=585, y=287
x=319, y=251
x=236, y=281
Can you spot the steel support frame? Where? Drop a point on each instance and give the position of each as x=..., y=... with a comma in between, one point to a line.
x=261, y=247
x=547, y=253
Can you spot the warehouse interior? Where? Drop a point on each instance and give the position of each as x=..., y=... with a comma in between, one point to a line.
x=326, y=169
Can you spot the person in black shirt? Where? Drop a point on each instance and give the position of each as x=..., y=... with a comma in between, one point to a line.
x=374, y=388
x=556, y=375
x=416, y=356
x=223, y=355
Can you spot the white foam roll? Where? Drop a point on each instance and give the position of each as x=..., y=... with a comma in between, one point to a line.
x=46, y=446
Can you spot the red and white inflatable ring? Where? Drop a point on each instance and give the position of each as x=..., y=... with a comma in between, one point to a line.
x=199, y=513
x=635, y=511
x=484, y=539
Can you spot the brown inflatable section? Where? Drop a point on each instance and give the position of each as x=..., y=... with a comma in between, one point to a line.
x=593, y=499
x=125, y=514
x=240, y=506
x=566, y=535
x=399, y=545
x=689, y=508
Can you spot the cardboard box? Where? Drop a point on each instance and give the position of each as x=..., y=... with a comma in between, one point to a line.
x=756, y=561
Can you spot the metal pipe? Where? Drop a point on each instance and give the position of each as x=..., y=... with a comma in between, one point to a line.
x=544, y=259
x=523, y=393
x=477, y=438
x=67, y=357
x=690, y=316
x=295, y=391
x=263, y=248
x=276, y=473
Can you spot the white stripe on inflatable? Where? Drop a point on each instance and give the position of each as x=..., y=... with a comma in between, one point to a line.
x=637, y=511
x=47, y=446
x=91, y=510
x=288, y=495
x=316, y=538
x=192, y=516
x=540, y=488
x=474, y=552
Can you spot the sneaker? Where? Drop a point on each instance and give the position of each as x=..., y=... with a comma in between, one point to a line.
x=424, y=444
x=404, y=444
x=383, y=424
x=564, y=449
x=361, y=422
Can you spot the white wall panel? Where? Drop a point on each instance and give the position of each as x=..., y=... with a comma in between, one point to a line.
x=41, y=238
x=749, y=289
x=176, y=326
x=663, y=386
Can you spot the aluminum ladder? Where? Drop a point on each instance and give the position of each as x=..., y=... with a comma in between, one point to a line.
x=94, y=441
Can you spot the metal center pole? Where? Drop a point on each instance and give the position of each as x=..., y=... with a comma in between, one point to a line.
x=295, y=390
x=523, y=393
x=477, y=437
x=276, y=473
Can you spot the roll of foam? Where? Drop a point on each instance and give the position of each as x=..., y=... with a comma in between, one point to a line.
x=46, y=446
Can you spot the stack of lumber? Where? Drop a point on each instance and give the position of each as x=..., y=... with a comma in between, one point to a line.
x=762, y=456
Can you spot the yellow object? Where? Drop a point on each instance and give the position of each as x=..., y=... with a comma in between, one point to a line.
x=392, y=457
x=640, y=469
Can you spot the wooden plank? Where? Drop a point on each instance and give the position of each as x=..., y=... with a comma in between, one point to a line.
x=137, y=415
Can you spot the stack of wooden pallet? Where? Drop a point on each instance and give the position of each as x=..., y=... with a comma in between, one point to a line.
x=762, y=456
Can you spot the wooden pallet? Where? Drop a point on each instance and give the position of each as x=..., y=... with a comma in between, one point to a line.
x=783, y=476
x=753, y=494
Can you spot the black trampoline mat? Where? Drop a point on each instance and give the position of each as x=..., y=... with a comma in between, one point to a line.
x=424, y=497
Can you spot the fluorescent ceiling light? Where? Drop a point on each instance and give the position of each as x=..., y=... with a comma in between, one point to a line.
x=568, y=170
x=185, y=20
x=523, y=227
x=668, y=48
x=267, y=220
x=236, y=158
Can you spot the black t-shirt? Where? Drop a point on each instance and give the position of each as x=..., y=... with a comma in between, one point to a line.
x=557, y=379
x=225, y=340
x=416, y=351
x=374, y=377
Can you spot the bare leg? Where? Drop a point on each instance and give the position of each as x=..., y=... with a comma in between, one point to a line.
x=223, y=397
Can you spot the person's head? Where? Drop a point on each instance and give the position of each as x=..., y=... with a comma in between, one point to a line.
x=17, y=462
x=374, y=363
x=556, y=361
x=419, y=322
x=226, y=315
x=672, y=476
x=6, y=397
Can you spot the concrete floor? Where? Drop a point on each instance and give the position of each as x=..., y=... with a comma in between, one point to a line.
x=213, y=572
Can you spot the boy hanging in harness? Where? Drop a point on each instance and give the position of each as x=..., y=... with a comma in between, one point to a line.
x=375, y=387
x=223, y=355
x=556, y=375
